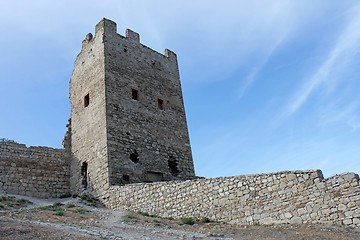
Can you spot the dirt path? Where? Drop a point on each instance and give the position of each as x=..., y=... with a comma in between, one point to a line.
x=75, y=218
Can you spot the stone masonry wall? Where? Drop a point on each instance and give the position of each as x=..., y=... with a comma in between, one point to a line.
x=34, y=171
x=156, y=136
x=284, y=197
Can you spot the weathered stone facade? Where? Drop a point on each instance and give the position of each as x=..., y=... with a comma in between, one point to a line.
x=128, y=117
x=128, y=126
x=33, y=171
x=284, y=197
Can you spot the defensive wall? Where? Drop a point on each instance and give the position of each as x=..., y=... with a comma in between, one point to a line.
x=294, y=197
x=33, y=171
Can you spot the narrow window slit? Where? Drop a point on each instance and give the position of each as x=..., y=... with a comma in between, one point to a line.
x=87, y=100
x=135, y=95
x=160, y=104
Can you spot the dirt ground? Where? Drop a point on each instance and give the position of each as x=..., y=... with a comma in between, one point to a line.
x=84, y=218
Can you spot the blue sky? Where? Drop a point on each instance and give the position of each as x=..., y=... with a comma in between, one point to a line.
x=268, y=85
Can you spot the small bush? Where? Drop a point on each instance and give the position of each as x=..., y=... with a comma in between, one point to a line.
x=188, y=221
x=156, y=221
x=10, y=204
x=205, y=220
x=59, y=212
x=75, y=195
x=169, y=218
x=80, y=210
x=2, y=206
x=3, y=198
x=21, y=201
x=55, y=207
x=65, y=195
x=130, y=216
x=143, y=213
x=70, y=205
x=57, y=204
x=92, y=204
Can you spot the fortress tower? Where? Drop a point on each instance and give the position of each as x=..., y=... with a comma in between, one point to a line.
x=128, y=120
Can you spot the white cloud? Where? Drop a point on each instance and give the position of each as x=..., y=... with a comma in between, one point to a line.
x=326, y=76
x=250, y=78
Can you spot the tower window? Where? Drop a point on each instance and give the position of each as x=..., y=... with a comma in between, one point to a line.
x=84, y=175
x=135, y=94
x=126, y=178
x=160, y=104
x=87, y=100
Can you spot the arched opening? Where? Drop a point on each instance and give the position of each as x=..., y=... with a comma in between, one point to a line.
x=84, y=182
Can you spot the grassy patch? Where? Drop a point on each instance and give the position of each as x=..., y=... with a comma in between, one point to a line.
x=205, y=220
x=90, y=200
x=80, y=210
x=55, y=207
x=143, y=213
x=10, y=204
x=59, y=212
x=57, y=204
x=70, y=205
x=188, y=221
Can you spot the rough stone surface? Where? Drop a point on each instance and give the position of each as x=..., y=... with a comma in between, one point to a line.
x=306, y=198
x=134, y=127
x=33, y=171
x=128, y=126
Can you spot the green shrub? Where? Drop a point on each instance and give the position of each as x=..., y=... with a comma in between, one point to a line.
x=3, y=198
x=55, y=207
x=70, y=205
x=59, y=212
x=188, y=221
x=80, y=210
x=75, y=195
x=143, y=213
x=57, y=204
x=92, y=204
x=2, y=206
x=10, y=204
x=205, y=220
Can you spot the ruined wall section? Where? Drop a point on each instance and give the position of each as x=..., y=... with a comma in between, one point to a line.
x=34, y=171
x=142, y=138
x=284, y=197
x=88, y=123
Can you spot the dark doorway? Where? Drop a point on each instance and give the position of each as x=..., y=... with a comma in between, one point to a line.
x=84, y=175
x=173, y=166
x=134, y=156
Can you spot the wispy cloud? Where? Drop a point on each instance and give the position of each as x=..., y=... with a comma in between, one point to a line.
x=336, y=112
x=343, y=52
x=250, y=78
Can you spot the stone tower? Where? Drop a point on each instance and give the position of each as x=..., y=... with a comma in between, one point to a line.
x=128, y=120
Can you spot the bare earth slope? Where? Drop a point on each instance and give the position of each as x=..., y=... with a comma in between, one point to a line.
x=84, y=218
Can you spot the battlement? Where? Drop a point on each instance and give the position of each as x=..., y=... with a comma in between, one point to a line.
x=109, y=28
